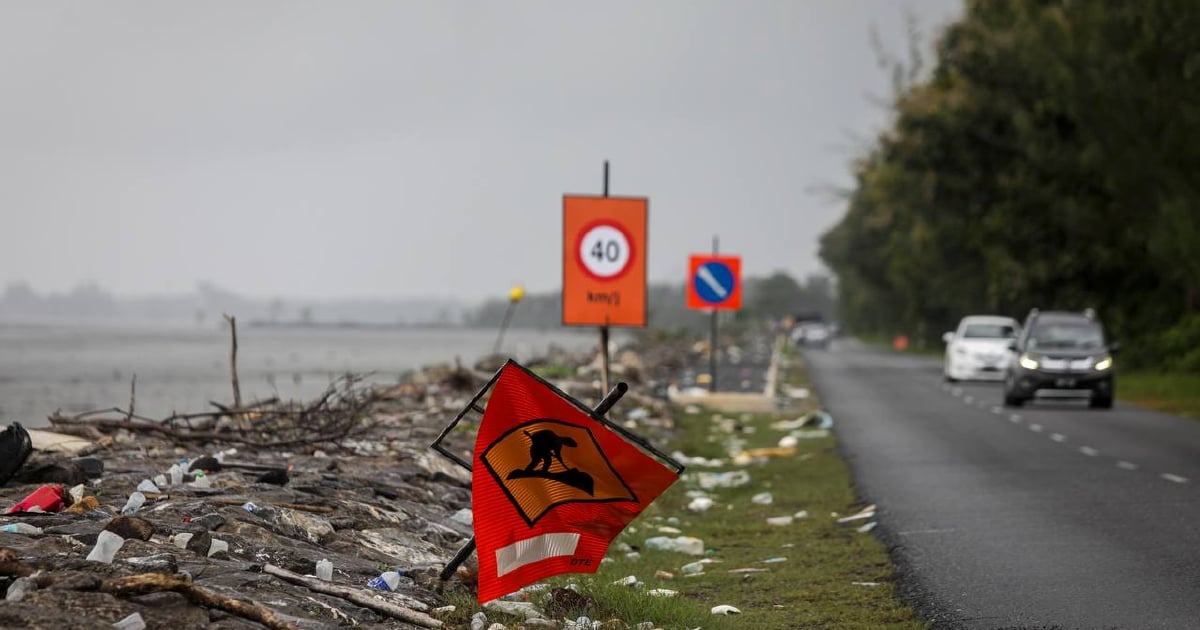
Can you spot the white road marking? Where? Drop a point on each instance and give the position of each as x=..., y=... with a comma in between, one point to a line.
x=1036, y=428
x=1014, y=418
x=1089, y=451
x=1175, y=478
x=1058, y=437
x=1124, y=465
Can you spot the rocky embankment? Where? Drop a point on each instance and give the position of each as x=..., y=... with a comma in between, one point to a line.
x=333, y=513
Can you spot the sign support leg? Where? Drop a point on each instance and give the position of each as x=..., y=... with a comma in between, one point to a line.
x=712, y=340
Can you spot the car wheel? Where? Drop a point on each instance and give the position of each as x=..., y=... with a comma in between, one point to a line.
x=1100, y=402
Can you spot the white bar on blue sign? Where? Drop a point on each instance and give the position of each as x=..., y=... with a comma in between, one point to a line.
x=535, y=549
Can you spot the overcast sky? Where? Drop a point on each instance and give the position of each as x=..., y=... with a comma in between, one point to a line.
x=336, y=149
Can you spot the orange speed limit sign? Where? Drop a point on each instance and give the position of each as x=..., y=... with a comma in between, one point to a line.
x=604, y=261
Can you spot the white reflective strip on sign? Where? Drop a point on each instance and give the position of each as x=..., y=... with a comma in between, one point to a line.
x=534, y=549
x=711, y=281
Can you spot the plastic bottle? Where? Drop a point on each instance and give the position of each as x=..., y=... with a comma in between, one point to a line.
x=478, y=621
x=202, y=480
x=135, y=503
x=325, y=570
x=160, y=480
x=148, y=486
x=20, y=528
x=386, y=582
x=20, y=588
x=176, y=474
x=107, y=546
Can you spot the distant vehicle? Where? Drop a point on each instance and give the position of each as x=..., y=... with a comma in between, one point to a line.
x=1061, y=354
x=978, y=348
x=812, y=334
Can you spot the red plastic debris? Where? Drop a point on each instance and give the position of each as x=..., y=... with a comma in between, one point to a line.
x=48, y=498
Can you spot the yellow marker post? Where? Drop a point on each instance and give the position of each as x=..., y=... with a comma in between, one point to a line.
x=516, y=294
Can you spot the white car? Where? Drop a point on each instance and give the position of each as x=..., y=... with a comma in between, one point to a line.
x=978, y=348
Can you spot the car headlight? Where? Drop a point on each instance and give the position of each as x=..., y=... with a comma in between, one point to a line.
x=1103, y=364
x=1028, y=362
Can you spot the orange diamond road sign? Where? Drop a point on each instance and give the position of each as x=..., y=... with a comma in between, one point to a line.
x=552, y=485
x=604, y=261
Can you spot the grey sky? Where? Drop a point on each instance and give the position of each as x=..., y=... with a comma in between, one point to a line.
x=331, y=149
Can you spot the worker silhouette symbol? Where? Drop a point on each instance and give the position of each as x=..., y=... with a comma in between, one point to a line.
x=545, y=448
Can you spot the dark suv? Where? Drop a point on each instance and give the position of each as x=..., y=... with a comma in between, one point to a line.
x=1060, y=353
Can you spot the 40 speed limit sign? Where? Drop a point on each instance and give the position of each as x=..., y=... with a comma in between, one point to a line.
x=604, y=261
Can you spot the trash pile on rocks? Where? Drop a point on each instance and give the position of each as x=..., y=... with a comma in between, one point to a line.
x=284, y=515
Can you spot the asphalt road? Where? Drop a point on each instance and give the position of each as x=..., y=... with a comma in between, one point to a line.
x=1047, y=516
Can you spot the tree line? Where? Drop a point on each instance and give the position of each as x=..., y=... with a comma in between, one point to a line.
x=1051, y=159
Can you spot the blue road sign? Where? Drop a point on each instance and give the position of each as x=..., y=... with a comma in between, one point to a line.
x=714, y=282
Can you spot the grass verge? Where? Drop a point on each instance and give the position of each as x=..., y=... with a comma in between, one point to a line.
x=810, y=573
x=1174, y=392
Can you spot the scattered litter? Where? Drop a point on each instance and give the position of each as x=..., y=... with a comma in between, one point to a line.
x=762, y=498
x=464, y=516
x=700, y=504
x=662, y=592
x=798, y=393
x=324, y=570
x=48, y=498
x=725, y=609
x=386, y=581
x=865, y=583
x=780, y=520
x=664, y=575
x=20, y=588
x=749, y=570
x=478, y=621
x=868, y=527
x=730, y=479
x=801, y=514
x=669, y=530
x=788, y=441
x=442, y=610
x=628, y=580
x=21, y=528
x=148, y=486
x=693, y=568
x=217, y=546
x=683, y=544
x=132, y=622
x=774, y=560
x=867, y=512
x=697, y=461
x=135, y=503
x=107, y=546
x=517, y=609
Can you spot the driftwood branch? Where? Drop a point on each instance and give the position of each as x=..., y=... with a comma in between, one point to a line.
x=237, y=390
x=336, y=415
x=141, y=584
x=355, y=596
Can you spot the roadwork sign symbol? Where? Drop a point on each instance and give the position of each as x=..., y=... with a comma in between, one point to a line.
x=714, y=282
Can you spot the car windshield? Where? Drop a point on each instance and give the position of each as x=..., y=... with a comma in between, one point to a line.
x=989, y=331
x=1066, y=335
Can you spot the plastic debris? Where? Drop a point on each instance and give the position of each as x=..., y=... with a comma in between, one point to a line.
x=135, y=503
x=868, y=527
x=788, y=441
x=867, y=512
x=202, y=480
x=775, y=560
x=107, y=546
x=725, y=609
x=148, y=486
x=48, y=498
x=324, y=570
x=478, y=621
x=217, y=546
x=21, y=528
x=730, y=479
x=801, y=514
x=693, y=568
x=517, y=609
x=683, y=544
x=132, y=622
x=20, y=588
x=700, y=504
x=464, y=516
x=661, y=592
x=176, y=473
x=15, y=447
x=629, y=580
x=386, y=581
x=865, y=583
x=762, y=498
x=780, y=520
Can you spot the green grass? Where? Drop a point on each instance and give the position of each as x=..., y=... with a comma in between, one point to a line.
x=813, y=588
x=1176, y=392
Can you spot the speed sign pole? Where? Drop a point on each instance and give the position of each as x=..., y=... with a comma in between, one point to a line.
x=604, y=264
